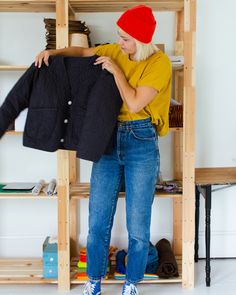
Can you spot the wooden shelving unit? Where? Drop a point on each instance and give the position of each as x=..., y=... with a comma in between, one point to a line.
x=30, y=271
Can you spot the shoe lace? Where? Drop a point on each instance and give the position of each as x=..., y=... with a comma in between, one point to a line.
x=130, y=290
x=89, y=288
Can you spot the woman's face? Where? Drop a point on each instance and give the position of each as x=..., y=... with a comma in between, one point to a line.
x=126, y=43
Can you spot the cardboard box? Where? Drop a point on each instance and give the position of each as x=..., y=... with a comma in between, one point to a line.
x=50, y=258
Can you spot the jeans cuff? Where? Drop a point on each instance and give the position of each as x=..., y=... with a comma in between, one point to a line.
x=97, y=278
x=134, y=282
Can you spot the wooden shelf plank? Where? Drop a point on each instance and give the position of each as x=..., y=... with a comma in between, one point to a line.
x=79, y=6
x=13, y=68
x=25, y=195
x=28, y=6
x=29, y=271
x=177, y=67
x=13, y=132
x=24, y=68
x=26, y=280
x=23, y=271
x=176, y=129
x=81, y=191
x=114, y=281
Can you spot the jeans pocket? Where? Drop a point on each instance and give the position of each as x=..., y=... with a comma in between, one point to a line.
x=144, y=133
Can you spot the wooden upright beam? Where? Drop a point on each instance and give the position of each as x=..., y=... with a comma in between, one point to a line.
x=63, y=161
x=63, y=221
x=178, y=137
x=189, y=144
x=73, y=207
x=73, y=166
x=62, y=24
x=178, y=93
x=179, y=33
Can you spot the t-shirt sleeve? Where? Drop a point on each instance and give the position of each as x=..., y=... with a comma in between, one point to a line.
x=157, y=74
x=104, y=50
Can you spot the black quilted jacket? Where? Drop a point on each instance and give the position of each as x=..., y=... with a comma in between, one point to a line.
x=73, y=105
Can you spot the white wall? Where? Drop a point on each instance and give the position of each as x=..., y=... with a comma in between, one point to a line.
x=25, y=223
x=216, y=119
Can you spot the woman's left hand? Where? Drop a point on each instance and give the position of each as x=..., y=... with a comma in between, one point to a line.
x=107, y=63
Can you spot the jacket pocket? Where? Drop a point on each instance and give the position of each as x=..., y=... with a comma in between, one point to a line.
x=40, y=123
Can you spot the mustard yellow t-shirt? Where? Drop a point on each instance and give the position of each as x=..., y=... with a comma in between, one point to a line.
x=154, y=72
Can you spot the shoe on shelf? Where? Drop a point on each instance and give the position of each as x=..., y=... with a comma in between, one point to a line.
x=92, y=288
x=129, y=289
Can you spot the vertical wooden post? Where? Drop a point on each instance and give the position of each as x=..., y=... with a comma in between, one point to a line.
x=63, y=221
x=73, y=179
x=177, y=226
x=63, y=170
x=179, y=33
x=189, y=143
x=178, y=138
x=73, y=207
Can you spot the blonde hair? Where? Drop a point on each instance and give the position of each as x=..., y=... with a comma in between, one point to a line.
x=144, y=51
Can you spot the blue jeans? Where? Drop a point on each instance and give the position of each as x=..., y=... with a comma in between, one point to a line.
x=135, y=158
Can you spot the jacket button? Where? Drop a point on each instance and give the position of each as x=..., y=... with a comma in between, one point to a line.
x=69, y=102
x=62, y=140
x=66, y=121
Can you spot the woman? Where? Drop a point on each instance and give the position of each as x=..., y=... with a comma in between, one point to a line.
x=143, y=76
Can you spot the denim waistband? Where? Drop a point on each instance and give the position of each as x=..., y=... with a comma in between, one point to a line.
x=135, y=124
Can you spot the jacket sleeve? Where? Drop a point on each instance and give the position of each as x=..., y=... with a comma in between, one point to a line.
x=17, y=99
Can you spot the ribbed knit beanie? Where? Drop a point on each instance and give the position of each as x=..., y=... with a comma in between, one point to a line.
x=138, y=22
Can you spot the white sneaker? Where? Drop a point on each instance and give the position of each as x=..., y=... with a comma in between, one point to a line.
x=129, y=289
x=92, y=288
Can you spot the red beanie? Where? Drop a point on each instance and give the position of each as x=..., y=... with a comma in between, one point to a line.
x=138, y=22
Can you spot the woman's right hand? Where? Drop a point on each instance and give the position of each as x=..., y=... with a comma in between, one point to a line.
x=42, y=57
